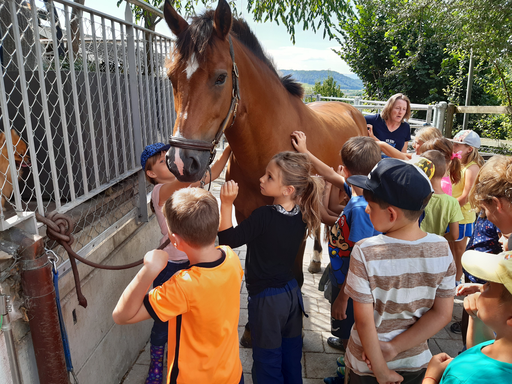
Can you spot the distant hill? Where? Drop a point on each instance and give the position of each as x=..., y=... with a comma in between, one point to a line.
x=310, y=77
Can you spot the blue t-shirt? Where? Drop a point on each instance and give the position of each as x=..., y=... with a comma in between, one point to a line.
x=352, y=225
x=396, y=139
x=475, y=367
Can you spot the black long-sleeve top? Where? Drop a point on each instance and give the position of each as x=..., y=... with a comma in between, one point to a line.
x=273, y=237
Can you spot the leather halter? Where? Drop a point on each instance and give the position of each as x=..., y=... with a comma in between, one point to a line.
x=202, y=145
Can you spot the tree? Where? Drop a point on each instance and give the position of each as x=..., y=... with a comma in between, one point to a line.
x=327, y=88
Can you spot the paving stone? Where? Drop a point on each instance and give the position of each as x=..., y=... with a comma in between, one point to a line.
x=247, y=378
x=318, y=365
x=451, y=347
x=312, y=342
x=137, y=374
x=244, y=317
x=246, y=359
x=434, y=348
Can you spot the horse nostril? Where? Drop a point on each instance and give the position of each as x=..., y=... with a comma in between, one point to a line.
x=195, y=165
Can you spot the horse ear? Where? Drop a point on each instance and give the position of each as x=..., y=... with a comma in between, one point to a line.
x=222, y=19
x=176, y=23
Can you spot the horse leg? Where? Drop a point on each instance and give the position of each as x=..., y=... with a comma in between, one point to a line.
x=316, y=260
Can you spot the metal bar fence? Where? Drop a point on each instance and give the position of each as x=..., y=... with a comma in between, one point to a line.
x=370, y=106
x=81, y=94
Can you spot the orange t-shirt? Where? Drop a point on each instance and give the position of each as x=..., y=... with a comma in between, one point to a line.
x=202, y=305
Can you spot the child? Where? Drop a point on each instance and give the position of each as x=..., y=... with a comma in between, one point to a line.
x=465, y=144
x=359, y=156
x=273, y=235
x=490, y=360
x=153, y=163
x=445, y=146
x=201, y=303
x=401, y=282
x=443, y=210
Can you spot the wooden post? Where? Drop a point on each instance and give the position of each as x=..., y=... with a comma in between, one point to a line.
x=449, y=120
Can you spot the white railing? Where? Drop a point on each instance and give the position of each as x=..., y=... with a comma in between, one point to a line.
x=435, y=114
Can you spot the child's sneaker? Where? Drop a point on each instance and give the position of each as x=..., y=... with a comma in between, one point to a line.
x=340, y=371
x=340, y=361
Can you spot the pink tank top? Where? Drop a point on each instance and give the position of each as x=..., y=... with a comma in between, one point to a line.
x=173, y=253
x=446, y=185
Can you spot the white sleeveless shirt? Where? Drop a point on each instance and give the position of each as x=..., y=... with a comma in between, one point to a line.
x=172, y=252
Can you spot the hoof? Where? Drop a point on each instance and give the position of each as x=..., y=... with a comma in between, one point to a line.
x=314, y=266
x=245, y=340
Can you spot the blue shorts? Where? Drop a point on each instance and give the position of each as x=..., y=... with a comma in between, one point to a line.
x=465, y=230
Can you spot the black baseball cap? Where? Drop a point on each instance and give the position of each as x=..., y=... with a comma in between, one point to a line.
x=397, y=182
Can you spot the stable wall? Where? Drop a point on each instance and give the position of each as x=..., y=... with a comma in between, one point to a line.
x=101, y=351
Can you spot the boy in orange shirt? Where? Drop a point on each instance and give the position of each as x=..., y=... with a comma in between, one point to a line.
x=200, y=303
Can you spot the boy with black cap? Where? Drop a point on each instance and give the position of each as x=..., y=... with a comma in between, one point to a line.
x=402, y=282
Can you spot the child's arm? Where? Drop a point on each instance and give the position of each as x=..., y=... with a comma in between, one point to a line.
x=335, y=199
x=390, y=151
x=427, y=326
x=228, y=193
x=454, y=231
x=329, y=174
x=478, y=332
x=217, y=167
x=339, y=307
x=470, y=176
x=327, y=216
x=365, y=325
x=436, y=368
x=130, y=308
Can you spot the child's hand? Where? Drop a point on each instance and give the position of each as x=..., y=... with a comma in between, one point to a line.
x=468, y=289
x=389, y=377
x=370, y=132
x=437, y=365
x=388, y=352
x=155, y=260
x=470, y=304
x=299, y=141
x=228, y=192
x=339, y=308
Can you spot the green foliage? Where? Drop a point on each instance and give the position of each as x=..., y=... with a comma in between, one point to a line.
x=327, y=88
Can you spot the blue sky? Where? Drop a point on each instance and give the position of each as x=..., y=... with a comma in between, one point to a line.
x=310, y=52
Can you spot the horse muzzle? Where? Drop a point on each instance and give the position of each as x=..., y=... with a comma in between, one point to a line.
x=188, y=165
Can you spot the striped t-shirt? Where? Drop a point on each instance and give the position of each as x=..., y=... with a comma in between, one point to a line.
x=402, y=279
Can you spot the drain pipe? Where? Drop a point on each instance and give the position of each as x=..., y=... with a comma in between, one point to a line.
x=5, y=308
x=39, y=293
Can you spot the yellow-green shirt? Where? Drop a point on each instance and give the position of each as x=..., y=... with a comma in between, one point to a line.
x=441, y=210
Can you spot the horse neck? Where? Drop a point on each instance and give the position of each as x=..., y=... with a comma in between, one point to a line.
x=266, y=110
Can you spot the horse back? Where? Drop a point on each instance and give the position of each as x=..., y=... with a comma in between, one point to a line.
x=333, y=123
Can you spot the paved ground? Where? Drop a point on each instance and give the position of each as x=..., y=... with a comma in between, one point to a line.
x=319, y=360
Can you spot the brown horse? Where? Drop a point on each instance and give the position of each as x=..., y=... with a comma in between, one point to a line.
x=206, y=82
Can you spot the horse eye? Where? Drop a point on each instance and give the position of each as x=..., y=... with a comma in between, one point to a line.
x=221, y=79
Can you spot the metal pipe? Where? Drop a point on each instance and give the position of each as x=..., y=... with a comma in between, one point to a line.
x=9, y=339
x=39, y=292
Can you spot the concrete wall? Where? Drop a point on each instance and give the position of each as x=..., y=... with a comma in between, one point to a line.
x=101, y=351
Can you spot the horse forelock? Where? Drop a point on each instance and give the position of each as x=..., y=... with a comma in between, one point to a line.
x=195, y=40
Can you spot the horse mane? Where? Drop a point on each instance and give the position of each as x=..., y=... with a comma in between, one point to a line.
x=197, y=37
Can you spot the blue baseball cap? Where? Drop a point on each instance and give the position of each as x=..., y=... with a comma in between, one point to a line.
x=399, y=183
x=152, y=150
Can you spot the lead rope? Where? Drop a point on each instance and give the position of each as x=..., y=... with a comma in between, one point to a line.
x=59, y=227
x=53, y=258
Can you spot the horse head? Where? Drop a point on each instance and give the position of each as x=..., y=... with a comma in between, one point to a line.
x=204, y=78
